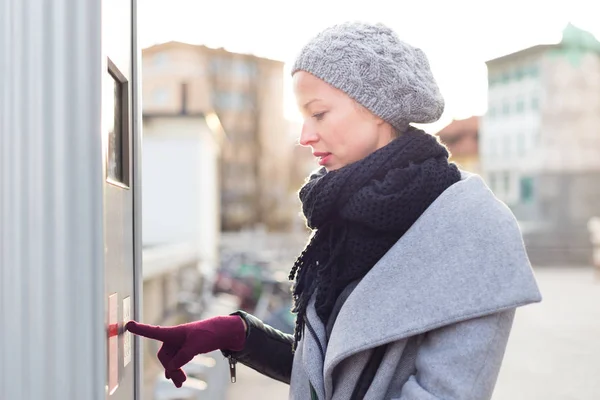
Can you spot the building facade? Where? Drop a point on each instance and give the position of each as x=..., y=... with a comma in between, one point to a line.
x=461, y=137
x=540, y=142
x=246, y=92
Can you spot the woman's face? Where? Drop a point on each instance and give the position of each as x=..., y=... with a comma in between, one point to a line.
x=337, y=128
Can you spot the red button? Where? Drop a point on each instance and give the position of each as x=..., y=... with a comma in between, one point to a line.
x=113, y=330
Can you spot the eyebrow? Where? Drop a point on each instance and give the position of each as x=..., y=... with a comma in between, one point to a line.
x=310, y=102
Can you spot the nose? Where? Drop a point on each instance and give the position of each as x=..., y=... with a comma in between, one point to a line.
x=308, y=135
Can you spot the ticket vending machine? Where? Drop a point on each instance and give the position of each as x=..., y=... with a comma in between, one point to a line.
x=70, y=252
x=120, y=146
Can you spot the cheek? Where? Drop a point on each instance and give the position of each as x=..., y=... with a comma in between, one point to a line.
x=332, y=133
x=356, y=139
x=348, y=136
x=362, y=145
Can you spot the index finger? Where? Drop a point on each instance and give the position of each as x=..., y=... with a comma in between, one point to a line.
x=162, y=333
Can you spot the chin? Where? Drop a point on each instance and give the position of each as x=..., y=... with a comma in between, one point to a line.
x=332, y=167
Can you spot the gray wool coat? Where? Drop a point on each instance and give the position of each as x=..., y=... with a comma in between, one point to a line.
x=443, y=298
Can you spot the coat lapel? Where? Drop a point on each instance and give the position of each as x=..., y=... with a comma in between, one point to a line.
x=447, y=268
x=313, y=348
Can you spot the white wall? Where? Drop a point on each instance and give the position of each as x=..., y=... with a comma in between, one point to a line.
x=571, y=124
x=180, y=184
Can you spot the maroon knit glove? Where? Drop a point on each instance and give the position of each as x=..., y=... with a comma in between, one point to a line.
x=183, y=342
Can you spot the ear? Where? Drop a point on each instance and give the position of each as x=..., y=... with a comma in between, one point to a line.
x=364, y=109
x=378, y=120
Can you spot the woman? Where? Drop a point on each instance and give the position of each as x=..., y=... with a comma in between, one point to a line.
x=409, y=284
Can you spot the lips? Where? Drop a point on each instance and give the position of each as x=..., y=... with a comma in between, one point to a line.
x=322, y=157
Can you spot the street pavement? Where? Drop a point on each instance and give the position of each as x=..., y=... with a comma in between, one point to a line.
x=553, y=352
x=554, y=349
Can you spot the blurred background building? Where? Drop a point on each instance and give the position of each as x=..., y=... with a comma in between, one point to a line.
x=540, y=143
x=462, y=139
x=221, y=222
x=246, y=92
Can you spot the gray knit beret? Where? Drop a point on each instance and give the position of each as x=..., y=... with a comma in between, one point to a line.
x=373, y=66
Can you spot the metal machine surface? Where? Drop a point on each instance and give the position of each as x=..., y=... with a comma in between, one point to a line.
x=119, y=138
x=70, y=249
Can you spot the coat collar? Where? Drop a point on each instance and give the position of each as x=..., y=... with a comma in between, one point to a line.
x=463, y=258
x=313, y=348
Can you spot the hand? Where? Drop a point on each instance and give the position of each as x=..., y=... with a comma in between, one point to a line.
x=183, y=342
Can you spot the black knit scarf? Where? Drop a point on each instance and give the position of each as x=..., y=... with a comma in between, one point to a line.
x=359, y=211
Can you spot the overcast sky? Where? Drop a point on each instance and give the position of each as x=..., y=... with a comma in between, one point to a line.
x=458, y=36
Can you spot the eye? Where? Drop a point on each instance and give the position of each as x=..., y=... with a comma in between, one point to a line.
x=319, y=116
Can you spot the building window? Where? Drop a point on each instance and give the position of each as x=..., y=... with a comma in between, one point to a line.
x=506, y=108
x=520, y=105
x=507, y=149
x=219, y=65
x=493, y=183
x=533, y=71
x=160, y=97
x=493, y=80
x=526, y=189
x=492, y=148
x=231, y=100
x=492, y=111
x=537, y=137
x=519, y=73
x=505, y=77
x=160, y=60
x=535, y=103
x=506, y=177
x=521, y=148
x=244, y=69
